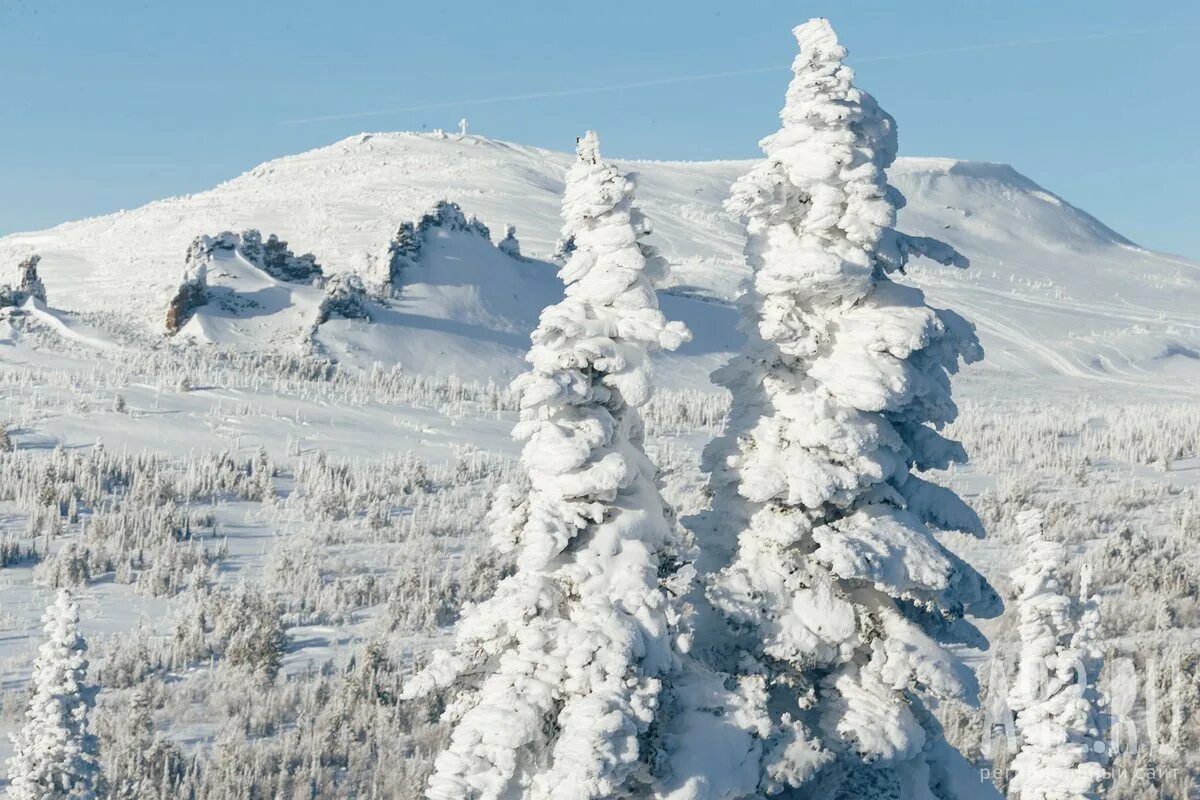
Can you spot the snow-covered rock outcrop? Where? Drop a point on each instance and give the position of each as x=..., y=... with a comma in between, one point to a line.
x=193, y=289
x=242, y=263
x=275, y=258
x=29, y=285
x=404, y=250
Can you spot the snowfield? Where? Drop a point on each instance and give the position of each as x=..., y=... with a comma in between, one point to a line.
x=324, y=487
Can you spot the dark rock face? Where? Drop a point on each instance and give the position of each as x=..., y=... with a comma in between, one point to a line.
x=193, y=289
x=189, y=297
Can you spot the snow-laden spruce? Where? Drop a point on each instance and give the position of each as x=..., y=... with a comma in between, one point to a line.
x=54, y=754
x=829, y=579
x=554, y=683
x=1057, y=721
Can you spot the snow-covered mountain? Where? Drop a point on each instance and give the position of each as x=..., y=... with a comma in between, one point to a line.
x=1052, y=290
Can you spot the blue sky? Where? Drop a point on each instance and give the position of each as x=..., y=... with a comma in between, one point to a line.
x=111, y=105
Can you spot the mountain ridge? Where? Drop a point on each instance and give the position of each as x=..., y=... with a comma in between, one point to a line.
x=1053, y=290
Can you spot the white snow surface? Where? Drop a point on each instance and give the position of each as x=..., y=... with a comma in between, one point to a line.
x=1067, y=310
x=1052, y=290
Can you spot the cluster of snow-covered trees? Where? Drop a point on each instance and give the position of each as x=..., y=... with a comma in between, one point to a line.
x=140, y=519
x=823, y=596
x=338, y=716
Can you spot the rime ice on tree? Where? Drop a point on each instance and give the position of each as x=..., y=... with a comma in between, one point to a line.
x=1057, y=720
x=828, y=576
x=554, y=683
x=509, y=245
x=55, y=756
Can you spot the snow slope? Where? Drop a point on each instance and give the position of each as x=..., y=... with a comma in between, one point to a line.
x=1053, y=291
x=58, y=324
x=467, y=309
x=249, y=308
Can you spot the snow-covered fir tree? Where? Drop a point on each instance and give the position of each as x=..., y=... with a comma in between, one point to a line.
x=827, y=579
x=510, y=245
x=555, y=681
x=54, y=754
x=1057, y=720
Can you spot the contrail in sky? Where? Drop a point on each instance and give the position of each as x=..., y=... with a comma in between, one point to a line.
x=538, y=95
x=970, y=48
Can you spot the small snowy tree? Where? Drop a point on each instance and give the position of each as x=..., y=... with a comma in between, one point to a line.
x=555, y=681
x=1057, y=721
x=827, y=574
x=509, y=245
x=55, y=755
